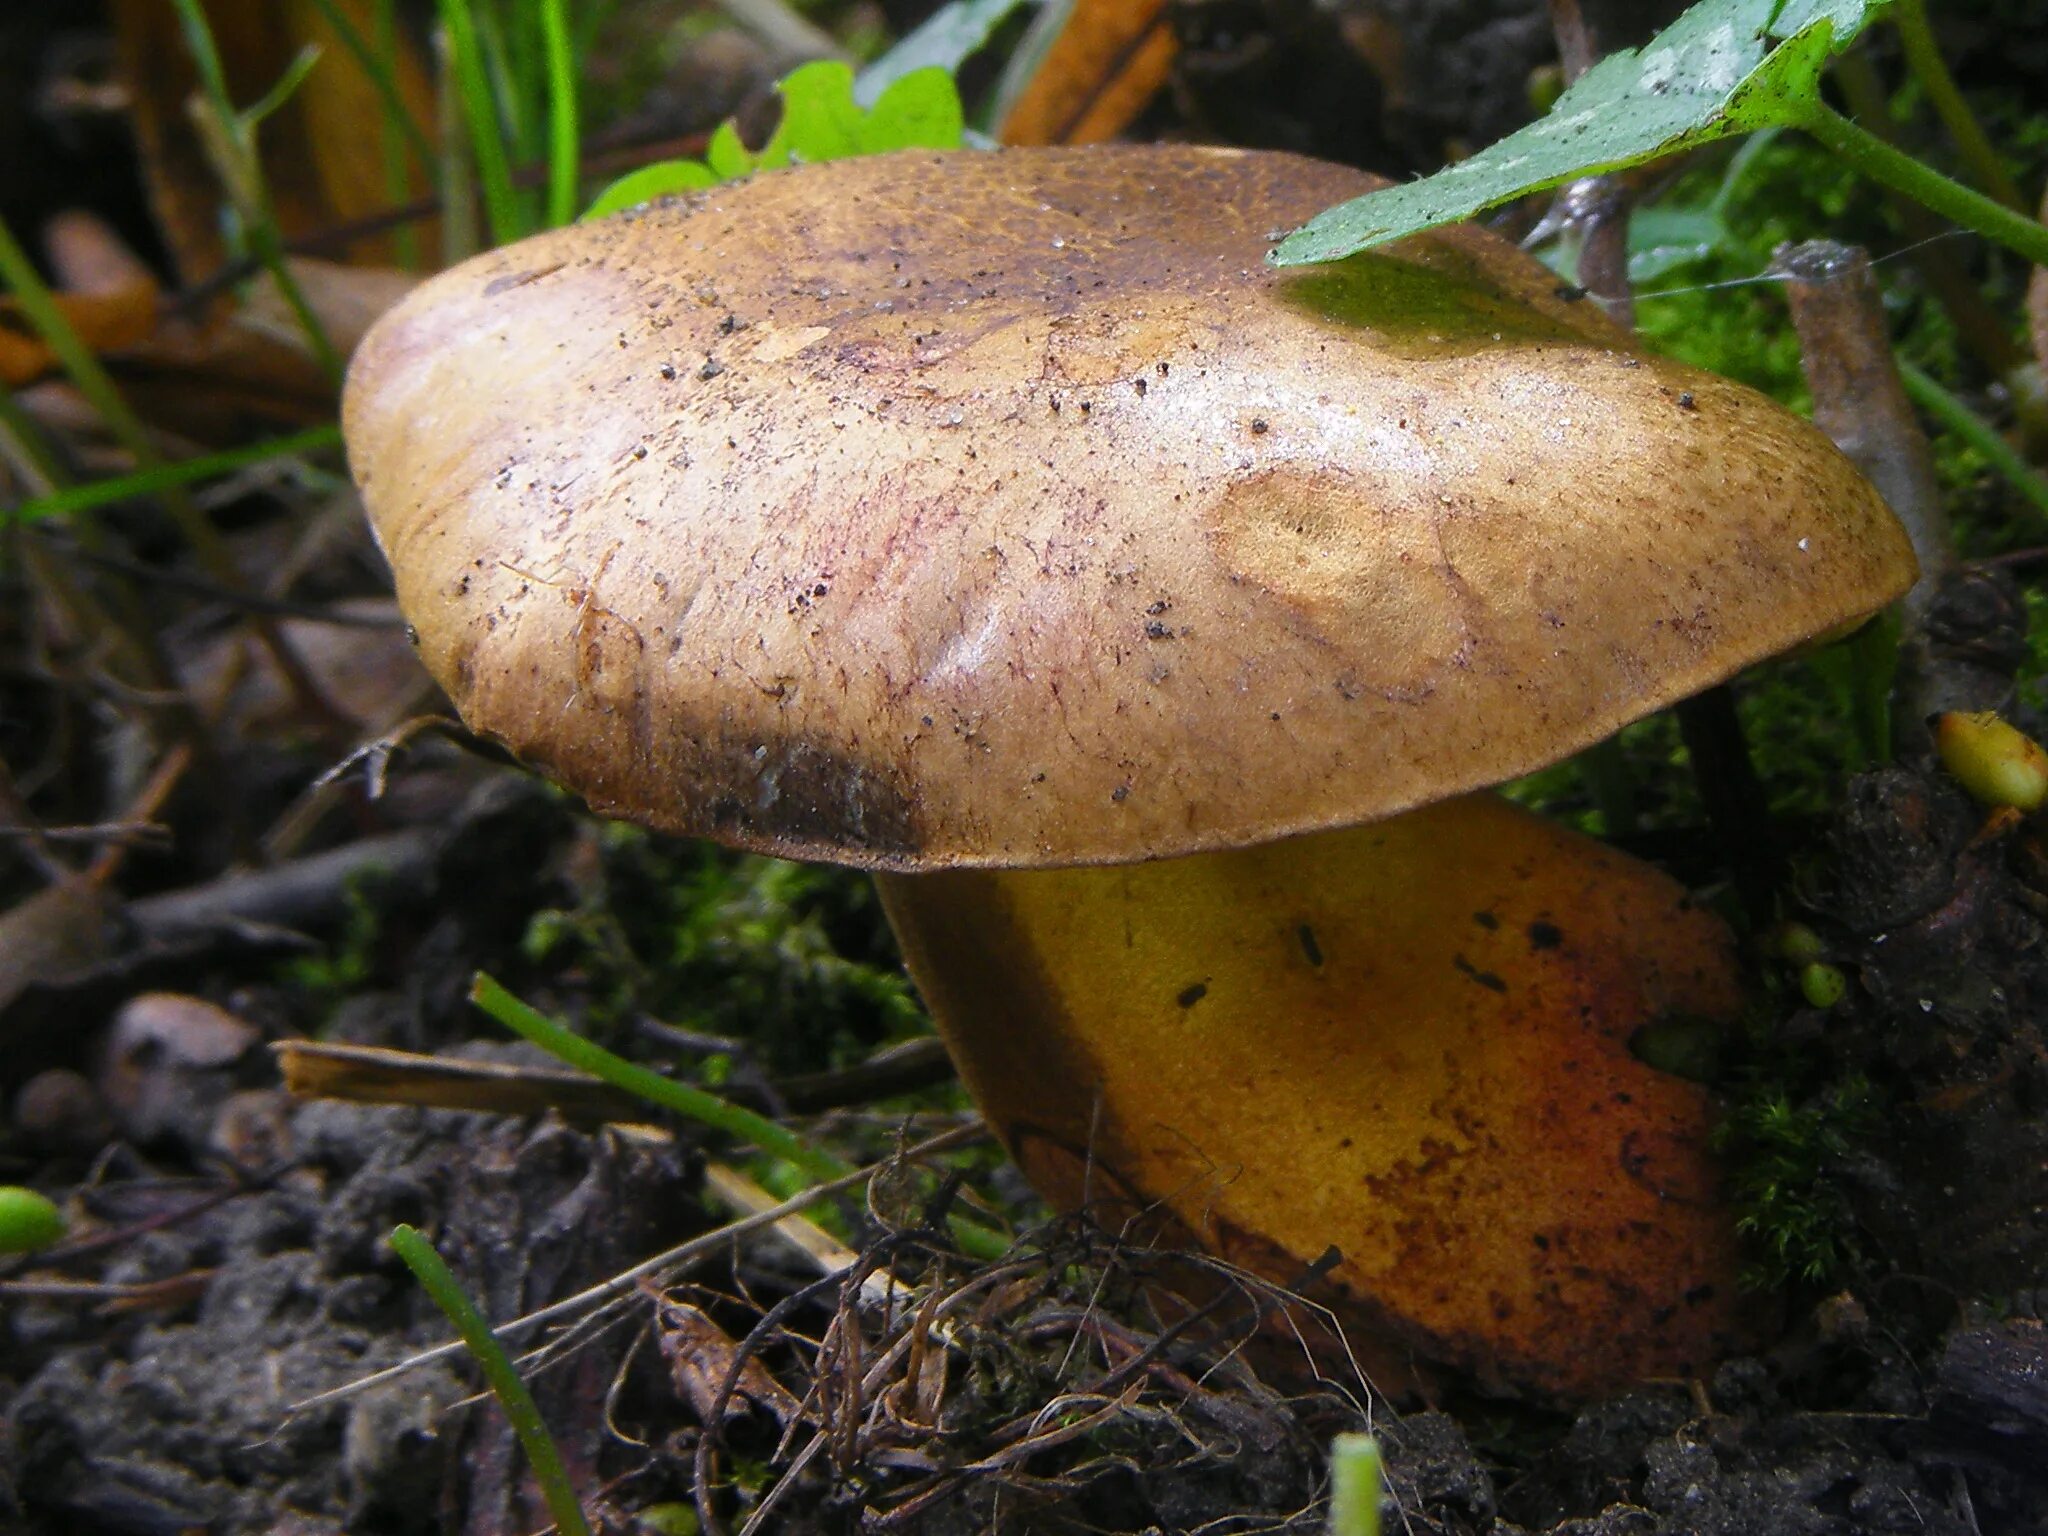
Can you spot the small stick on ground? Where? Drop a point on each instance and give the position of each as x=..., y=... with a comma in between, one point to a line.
x=1858, y=400
x=1958, y=623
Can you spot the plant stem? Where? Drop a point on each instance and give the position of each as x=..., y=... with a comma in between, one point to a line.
x=1876, y=159
x=1973, y=429
x=1923, y=57
x=1940, y=265
x=506, y=1384
x=246, y=186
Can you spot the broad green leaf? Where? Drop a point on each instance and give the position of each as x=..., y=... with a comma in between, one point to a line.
x=820, y=121
x=919, y=111
x=666, y=178
x=1725, y=66
x=725, y=156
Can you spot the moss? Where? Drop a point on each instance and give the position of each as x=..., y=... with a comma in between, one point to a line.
x=1783, y=1155
x=796, y=960
x=348, y=962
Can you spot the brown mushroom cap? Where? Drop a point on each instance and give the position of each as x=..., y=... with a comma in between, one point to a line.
x=1007, y=509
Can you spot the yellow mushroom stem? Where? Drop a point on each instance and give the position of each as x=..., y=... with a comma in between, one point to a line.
x=1410, y=1040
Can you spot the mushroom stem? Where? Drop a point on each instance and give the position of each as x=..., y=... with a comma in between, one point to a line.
x=1410, y=1040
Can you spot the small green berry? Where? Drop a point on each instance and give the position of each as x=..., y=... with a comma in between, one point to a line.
x=1996, y=762
x=1823, y=985
x=28, y=1221
x=1797, y=943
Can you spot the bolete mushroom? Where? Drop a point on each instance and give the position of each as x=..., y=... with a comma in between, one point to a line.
x=1002, y=523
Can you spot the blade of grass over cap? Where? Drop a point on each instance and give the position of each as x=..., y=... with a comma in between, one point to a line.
x=506, y=1385
x=1725, y=66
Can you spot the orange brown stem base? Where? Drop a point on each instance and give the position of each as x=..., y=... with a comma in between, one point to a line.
x=1409, y=1040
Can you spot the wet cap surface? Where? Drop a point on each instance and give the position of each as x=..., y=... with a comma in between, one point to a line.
x=1006, y=509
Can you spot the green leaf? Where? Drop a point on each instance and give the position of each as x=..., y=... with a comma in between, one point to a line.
x=665, y=178
x=919, y=111
x=726, y=157
x=820, y=121
x=1724, y=67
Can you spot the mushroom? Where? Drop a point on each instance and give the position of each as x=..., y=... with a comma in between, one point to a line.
x=1003, y=524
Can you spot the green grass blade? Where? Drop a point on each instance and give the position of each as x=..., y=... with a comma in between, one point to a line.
x=691, y=1102
x=1354, y=1486
x=480, y=113
x=20, y=278
x=564, y=147
x=26, y=448
x=1956, y=417
x=505, y=1382
x=397, y=123
x=683, y=1098
x=459, y=235
x=282, y=90
x=71, y=500
x=245, y=184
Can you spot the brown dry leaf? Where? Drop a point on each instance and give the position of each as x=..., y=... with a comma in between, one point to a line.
x=55, y=937
x=242, y=369
x=109, y=297
x=105, y=322
x=1106, y=64
x=367, y=668
x=239, y=361
x=322, y=150
x=701, y=1355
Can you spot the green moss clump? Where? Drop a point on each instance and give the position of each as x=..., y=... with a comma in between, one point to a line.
x=1784, y=1158
x=794, y=959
